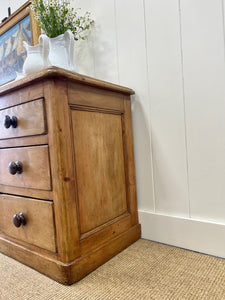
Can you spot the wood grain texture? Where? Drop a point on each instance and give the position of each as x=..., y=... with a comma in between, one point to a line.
x=100, y=171
x=30, y=120
x=29, y=246
x=68, y=273
x=62, y=168
x=35, y=28
x=38, y=194
x=39, y=229
x=21, y=95
x=79, y=94
x=104, y=233
x=84, y=165
x=45, y=263
x=54, y=72
x=36, y=170
x=129, y=149
x=129, y=160
x=25, y=141
x=100, y=255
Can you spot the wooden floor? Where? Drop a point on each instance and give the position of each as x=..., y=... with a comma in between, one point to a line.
x=145, y=270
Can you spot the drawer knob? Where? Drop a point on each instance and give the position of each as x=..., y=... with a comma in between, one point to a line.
x=10, y=121
x=19, y=219
x=15, y=167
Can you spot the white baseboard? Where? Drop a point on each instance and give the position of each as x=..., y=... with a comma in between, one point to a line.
x=197, y=235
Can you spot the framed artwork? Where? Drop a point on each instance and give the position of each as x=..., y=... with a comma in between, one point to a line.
x=20, y=26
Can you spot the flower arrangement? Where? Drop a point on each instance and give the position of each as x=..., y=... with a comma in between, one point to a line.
x=55, y=17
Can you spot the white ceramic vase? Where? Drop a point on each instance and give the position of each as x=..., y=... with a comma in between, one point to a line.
x=61, y=51
x=57, y=51
x=37, y=56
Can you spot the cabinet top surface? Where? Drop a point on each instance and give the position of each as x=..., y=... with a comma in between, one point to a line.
x=62, y=74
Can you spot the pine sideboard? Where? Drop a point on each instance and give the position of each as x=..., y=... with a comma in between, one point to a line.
x=67, y=178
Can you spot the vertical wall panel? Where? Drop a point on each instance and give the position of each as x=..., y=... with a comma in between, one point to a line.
x=204, y=74
x=83, y=51
x=104, y=43
x=16, y=4
x=133, y=73
x=4, y=9
x=97, y=56
x=167, y=107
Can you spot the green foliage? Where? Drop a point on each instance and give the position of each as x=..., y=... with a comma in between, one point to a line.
x=56, y=16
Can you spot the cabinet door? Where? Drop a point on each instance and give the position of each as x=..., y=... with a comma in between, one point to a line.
x=100, y=167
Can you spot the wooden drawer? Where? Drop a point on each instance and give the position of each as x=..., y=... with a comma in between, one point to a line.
x=35, y=163
x=39, y=229
x=30, y=120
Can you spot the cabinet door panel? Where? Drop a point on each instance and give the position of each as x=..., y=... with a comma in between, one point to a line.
x=99, y=160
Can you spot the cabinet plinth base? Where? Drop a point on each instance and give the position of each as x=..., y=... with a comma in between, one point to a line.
x=69, y=273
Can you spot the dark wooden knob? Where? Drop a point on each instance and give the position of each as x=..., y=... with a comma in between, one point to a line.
x=7, y=122
x=19, y=219
x=15, y=167
x=10, y=121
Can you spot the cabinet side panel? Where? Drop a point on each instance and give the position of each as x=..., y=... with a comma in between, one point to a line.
x=99, y=159
x=130, y=168
x=79, y=94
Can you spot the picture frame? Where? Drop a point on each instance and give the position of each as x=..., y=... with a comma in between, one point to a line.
x=20, y=26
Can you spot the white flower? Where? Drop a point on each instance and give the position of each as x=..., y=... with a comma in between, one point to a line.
x=64, y=18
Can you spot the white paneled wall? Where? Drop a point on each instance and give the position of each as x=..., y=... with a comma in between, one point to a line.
x=167, y=107
x=172, y=54
x=4, y=4
x=14, y=5
x=133, y=72
x=204, y=86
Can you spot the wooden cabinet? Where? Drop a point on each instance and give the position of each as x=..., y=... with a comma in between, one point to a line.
x=67, y=175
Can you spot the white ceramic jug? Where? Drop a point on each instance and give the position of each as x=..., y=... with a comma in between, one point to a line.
x=37, y=56
x=61, y=51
